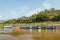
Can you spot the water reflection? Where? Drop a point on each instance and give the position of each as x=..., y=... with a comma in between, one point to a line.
x=1, y=29
x=38, y=30
x=30, y=34
x=6, y=37
x=5, y=30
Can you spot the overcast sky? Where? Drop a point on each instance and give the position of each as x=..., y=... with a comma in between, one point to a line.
x=16, y=8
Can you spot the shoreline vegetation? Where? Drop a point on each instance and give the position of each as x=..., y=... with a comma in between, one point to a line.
x=46, y=23
x=42, y=18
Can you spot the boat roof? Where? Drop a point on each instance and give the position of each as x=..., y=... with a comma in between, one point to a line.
x=7, y=26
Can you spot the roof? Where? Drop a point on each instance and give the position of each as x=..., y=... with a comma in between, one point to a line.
x=7, y=26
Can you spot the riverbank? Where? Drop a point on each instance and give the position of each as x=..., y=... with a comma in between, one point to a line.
x=46, y=23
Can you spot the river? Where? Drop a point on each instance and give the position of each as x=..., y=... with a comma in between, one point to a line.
x=30, y=34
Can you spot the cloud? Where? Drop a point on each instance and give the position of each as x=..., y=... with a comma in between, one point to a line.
x=34, y=11
x=25, y=11
x=14, y=14
x=0, y=18
x=46, y=4
x=11, y=13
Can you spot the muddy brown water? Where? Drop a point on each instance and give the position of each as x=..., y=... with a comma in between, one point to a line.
x=31, y=34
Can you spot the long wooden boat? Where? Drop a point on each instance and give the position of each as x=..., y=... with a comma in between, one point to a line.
x=38, y=27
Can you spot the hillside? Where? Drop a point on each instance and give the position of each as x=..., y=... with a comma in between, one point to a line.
x=45, y=15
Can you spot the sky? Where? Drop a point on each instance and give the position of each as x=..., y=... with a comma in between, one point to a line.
x=10, y=9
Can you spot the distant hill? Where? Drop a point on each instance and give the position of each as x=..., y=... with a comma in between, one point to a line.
x=2, y=21
x=45, y=15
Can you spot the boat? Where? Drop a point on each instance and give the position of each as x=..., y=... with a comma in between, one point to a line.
x=25, y=27
x=30, y=27
x=38, y=27
x=7, y=26
x=51, y=27
x=8, y=29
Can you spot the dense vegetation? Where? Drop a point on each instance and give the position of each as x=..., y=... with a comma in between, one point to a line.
x=45, y=15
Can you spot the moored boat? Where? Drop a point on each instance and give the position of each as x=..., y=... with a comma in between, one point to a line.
x=30, y=27
x=51, y=27
x=38, y=27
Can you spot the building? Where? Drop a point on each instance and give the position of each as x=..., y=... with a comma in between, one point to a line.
x=26, y=20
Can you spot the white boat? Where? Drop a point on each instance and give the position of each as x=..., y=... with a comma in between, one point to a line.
x=7, y=26
x=8, y=29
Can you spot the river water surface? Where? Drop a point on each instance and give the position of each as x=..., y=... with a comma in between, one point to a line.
x=30, y=34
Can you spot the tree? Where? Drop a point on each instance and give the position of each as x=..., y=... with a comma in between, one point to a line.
x=57, y=18
x=33, y=18
x=42, y=17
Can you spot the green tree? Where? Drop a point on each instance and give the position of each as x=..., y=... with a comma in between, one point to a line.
x=57, y=18
x=42, y=17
